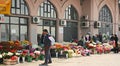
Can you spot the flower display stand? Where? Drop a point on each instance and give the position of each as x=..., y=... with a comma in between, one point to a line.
x=9, y=62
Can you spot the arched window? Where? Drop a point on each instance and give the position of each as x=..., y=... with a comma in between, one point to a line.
x=105, y=17
x=70, y=13
x=46, y=9
x=71, y=17
x=105, y=14
x=19, y=7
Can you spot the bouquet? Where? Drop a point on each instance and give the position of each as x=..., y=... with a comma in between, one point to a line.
x=8, y=55
x=37, y=52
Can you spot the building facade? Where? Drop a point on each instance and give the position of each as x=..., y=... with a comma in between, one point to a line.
x=64, y=19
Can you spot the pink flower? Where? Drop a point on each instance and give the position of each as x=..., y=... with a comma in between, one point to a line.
x=37, y=52
x=32, y=55
x=42, y=52
x=25, y=51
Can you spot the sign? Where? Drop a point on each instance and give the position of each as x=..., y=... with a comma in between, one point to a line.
x=5, y=6
x=2, y=19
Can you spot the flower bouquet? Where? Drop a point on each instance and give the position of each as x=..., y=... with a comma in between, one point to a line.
x=25, y=44
x=37, y=54
x=42, y=54
x=30, y=57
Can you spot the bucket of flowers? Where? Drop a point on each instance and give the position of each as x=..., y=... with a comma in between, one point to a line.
x=23, y=55
x=9, y=58
x=18, y=55
x=42, y=54
x=1, y=58
x=65, y=52
x=30, y=57
x=37, y=54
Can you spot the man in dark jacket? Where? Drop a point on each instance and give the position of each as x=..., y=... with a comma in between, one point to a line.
x=47, y=44
x=116, y=44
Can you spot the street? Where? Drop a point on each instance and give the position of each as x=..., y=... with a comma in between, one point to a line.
x=93, y=60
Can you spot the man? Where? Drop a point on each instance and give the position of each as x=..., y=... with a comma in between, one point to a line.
x=100, y=37
x=47, y=44
x=116, y=44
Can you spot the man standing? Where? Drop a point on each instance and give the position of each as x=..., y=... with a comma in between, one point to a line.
x=116, y=44
x=100, y=37
x=47, y=44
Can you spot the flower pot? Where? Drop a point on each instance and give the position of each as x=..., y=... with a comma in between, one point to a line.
x=41, y=57
x=9, y=62
x=23, y=59
x=66, y=55
x=1, y=60
x=18, y=60
x=56, y=54
x=36, y=59
x=29, y=59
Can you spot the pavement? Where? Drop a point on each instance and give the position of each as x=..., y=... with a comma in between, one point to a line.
x=93, y=60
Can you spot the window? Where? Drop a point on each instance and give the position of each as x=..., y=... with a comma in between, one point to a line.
x=105, y=14
x=15, y=28
x=106, y=20
x=19, y=7
x=14, y=31
x=46, y=9
x=70, y=13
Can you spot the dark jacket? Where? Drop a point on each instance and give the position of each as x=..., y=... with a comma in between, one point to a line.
x=45, y=40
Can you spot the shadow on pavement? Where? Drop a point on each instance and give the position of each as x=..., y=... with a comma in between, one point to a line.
x=42, y=65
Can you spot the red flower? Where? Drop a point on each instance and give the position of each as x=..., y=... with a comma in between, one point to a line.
x=14, y=58
x=1, y=47
x=13, y=50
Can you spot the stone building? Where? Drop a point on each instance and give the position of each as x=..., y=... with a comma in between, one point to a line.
x=64, y=19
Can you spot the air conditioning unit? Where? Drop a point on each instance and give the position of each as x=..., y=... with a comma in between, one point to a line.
x=85, y=24
x=63, y=23
x=35, y=20
x=97, y=24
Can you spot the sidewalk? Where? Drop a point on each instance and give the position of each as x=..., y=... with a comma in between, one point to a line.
x=93, y=60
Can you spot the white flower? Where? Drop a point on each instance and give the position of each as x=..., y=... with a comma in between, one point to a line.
x=10, y=54
x=37, y=52
x=1, y=56
x=17, y=54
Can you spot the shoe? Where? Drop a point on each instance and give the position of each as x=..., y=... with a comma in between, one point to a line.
x=44, y=64
x=49, y=62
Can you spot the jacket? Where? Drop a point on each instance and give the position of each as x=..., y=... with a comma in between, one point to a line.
x=45, y=40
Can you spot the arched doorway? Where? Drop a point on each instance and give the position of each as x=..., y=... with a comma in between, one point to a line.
x=48, y=15
x=105, y=17
x=71, y=29
x=15, y=26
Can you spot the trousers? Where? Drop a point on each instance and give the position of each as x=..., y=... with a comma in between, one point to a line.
x=47, y=55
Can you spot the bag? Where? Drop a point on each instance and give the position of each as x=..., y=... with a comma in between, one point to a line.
x=52, y=40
